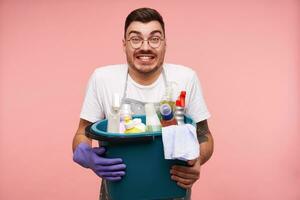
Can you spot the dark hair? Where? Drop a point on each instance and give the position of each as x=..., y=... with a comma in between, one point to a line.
x=144, y=15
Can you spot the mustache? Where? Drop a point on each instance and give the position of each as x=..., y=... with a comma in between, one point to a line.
x=145, y=52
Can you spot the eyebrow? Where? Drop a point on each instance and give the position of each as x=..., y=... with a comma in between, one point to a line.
x=139, y=33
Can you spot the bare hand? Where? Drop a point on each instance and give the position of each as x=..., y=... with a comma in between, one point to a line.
x=186, y=176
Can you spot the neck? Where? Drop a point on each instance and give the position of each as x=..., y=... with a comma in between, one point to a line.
x=144, y=78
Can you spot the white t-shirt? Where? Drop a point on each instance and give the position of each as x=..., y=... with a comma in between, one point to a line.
x=107, y=80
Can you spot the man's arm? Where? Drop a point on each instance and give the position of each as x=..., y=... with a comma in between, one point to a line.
x=205, y=140
x=111, y=169
x=186, y=176
x=80, y=134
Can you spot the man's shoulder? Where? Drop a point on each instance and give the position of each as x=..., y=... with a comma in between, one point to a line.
x=110, y=76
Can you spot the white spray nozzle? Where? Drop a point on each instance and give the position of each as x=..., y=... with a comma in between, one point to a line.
x=116, y=102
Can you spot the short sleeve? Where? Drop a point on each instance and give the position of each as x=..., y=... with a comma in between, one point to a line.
x=196, y=106
x=92, y=109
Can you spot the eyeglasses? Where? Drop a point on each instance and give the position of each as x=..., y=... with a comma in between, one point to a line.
x=154, y=42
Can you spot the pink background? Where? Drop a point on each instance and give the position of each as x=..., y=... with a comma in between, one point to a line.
x=246, y=54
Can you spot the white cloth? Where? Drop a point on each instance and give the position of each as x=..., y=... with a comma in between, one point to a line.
x=180, y=142
x=107, y=80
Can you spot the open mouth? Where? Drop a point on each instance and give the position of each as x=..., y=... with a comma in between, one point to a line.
x=145, y=57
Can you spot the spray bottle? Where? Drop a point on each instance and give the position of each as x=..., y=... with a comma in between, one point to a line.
x=179, y=109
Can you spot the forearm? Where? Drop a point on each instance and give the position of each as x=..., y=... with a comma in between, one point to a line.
x=206, y=147
x=80, y=134
x=205, y=140
x=79, y=138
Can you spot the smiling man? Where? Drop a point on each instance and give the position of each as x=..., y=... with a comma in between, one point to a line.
x=142, y=80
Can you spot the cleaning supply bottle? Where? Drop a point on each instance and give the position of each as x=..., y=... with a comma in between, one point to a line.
x=168, y=96
x=113, y=124
x=182, y=98
x=125, y=113
x=179, y=109
x=167, y=117
x=152, y=121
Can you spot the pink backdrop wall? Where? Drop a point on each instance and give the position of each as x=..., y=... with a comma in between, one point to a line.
x=246, y=54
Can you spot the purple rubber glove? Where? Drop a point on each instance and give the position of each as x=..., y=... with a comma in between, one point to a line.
x=111, y=169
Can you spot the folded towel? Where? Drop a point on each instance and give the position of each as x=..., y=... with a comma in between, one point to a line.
x=180, y=142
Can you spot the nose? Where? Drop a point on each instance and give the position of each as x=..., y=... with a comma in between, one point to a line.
x=145, y=45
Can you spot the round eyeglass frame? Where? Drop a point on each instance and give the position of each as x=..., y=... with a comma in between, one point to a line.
x=142, y=42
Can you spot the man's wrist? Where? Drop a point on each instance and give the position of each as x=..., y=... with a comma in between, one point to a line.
x=201, y=159
x=79, y=155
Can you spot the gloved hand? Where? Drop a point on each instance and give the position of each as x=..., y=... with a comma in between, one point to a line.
x=111, y=169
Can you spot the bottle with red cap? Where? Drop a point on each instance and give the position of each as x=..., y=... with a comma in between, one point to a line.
x=182, y=98
x=179, y=108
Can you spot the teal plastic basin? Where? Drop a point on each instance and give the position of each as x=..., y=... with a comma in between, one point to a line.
x=147, y=172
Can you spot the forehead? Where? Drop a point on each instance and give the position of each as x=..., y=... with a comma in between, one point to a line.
x=144, y=28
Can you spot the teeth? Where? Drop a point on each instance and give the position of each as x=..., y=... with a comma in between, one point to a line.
x=145, y=58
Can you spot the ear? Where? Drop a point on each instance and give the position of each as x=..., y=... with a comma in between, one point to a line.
x=124, y=45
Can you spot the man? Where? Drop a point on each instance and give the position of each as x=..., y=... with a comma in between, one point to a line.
x=143, y=79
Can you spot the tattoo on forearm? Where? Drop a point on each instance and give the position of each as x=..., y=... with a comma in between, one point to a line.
x=202, y=130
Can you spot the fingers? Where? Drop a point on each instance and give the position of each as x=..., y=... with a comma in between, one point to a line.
x=119, y=167
x=99, y=160
x=111, y=174
x=109, y=161
x=113, y=178
x=182, y=182
x=184, y=185
x=185, y=175
x=186, y=169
